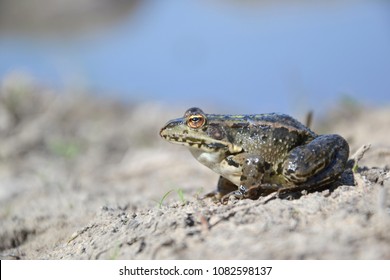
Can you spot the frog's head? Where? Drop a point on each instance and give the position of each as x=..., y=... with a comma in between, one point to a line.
x=198, y=130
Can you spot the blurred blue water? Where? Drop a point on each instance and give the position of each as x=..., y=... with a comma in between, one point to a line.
x=232, y=58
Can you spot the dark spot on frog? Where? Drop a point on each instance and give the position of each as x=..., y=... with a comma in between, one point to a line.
x=215, y=132
x=265, y=128
x=239, y=125
x=216, y=145
x=260, y=168
x=231, y=162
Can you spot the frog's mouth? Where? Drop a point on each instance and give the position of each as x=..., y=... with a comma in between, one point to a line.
x=172, y=133
x=201, y=144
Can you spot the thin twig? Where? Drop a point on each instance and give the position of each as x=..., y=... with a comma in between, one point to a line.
x=358, y=156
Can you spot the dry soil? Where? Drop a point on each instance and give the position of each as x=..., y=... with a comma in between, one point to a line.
x=83, y=177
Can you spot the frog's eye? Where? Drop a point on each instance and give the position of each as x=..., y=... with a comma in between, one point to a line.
x=196, y=121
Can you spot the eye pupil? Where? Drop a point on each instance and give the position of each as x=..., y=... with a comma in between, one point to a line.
x=195, y=119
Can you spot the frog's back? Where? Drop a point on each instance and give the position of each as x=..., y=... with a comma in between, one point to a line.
x=281, y=120
x=271, y=134
x=271, y=120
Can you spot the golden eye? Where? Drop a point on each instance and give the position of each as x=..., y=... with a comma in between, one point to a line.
x=196, y=121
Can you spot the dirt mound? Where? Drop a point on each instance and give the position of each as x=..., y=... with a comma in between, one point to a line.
x=88, y=178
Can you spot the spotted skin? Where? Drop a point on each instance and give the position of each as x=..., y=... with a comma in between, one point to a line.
x=259, y=154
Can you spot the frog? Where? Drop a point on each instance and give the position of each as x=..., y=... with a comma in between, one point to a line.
x=259, y=154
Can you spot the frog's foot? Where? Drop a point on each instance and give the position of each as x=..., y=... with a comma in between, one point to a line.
x=238, y=194
x=252, y=192
x=291, y=192
x=224, y=188
x=257, y=191
x=215, y=195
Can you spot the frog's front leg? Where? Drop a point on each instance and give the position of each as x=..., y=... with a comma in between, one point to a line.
x=253, y=170
x=317, y=163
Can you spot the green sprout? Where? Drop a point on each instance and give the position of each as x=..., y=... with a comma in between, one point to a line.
x=179, y=192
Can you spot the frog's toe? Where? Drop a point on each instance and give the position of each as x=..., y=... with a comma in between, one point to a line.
x=215, y=195
x=251, y=192
x=218, y=195
x=235, y=194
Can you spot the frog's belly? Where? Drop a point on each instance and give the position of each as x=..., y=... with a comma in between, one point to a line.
x=218, y=164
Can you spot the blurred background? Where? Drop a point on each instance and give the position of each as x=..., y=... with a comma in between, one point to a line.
x=86, y=85
x=228, y=56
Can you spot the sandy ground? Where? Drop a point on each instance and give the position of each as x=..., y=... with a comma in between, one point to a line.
x=89, y=178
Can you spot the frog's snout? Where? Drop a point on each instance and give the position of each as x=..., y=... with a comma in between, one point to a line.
x=171, y=127
x=162, y=132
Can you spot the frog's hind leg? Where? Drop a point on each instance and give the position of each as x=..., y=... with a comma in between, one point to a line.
x=224, y=187
x=317, y=163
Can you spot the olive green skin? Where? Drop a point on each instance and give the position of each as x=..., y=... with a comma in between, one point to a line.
x=259, y=154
